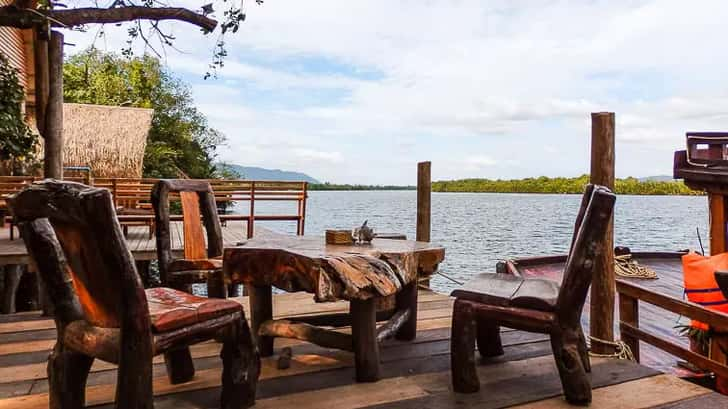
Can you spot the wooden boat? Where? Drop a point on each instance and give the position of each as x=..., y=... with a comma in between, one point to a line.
x=551, y=267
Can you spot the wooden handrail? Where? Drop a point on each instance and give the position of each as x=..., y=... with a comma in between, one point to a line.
x=630, y=294
x=136, y=193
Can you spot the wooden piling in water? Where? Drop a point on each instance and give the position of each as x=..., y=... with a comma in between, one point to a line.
x=601, y=322
x=424, y=208
x=424, y=193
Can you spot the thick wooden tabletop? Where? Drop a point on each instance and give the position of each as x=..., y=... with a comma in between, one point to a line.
x=331, y=272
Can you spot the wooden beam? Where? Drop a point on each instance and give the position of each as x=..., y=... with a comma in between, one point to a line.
x=629, y=314
x=672, y=304
x=424, y=193
x=305, y=332
x=390, y=328
x=424, y=208
x=696, y=359
x=53, y=148
x=601, y=323
x=717, y=207
x=40, y=57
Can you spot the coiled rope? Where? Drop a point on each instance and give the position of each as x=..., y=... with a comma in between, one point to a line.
x=621, y=350
x=626, y=266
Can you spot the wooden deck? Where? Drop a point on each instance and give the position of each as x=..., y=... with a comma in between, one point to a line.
x=415, y=375
x=141, y=245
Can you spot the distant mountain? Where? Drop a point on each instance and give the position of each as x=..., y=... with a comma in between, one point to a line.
x=256, y=173
x=658, y=178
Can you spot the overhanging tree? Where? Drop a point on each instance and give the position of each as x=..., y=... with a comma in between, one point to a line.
x=180, y=140
x=45, y=17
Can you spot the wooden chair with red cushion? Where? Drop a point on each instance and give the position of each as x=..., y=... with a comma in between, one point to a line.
x=201, y=263
x=535, y=305
x=103, y=312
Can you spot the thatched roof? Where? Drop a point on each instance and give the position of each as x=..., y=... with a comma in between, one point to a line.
x=108, y=139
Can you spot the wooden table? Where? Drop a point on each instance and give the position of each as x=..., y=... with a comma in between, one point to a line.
x=365, y=275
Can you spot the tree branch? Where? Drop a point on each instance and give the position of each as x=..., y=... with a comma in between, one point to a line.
x=12, y=16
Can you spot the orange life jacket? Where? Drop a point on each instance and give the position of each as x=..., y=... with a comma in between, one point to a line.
x=700, y=285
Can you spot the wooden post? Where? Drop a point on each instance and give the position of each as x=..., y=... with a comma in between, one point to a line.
x=261, y=310
x=424, y=193
x=424, y=208
x=601, y=320
x=364, y=339
x=40, y=51
x=53, y=129
x=302, y=218
x=717, y=207
x=718, y=214
x=251, y=218
x=629, y=314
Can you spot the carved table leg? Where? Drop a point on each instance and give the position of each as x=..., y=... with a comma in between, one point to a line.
x=67, y=374
x=574, y=380
x=142, y=267
x=462, y=349
x=364, y=339
x=216, y=284
x=180, y=367
x=488, y=338
x=407, y=299
x=241, y=367
x=261, y=310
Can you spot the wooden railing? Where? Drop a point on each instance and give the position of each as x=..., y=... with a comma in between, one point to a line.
x=630, y=295
x=135, y=193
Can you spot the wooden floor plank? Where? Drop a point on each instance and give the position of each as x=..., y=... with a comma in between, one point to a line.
x=349, y=396
x=518, y=385
x=339, y=377
x=712, y=400
x=642, y=393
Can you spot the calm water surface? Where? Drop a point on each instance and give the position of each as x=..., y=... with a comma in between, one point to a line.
x=478, y=229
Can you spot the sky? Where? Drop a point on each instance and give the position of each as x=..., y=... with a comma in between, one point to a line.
x=359, y=91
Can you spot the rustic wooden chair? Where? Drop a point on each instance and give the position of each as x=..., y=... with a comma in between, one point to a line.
x=199, y=265
x=536, y=305
x=102, y=311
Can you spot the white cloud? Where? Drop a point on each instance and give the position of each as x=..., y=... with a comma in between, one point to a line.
x=460, y=80
x=479, y=162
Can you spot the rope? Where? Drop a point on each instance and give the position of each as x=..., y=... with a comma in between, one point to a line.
x=449, y=278
x=621, y=350
x=625, y=266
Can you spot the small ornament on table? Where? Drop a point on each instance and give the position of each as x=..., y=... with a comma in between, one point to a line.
x=364, y=234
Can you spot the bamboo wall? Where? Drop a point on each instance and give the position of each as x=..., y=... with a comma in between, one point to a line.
x=17, y=46
x=13, y=47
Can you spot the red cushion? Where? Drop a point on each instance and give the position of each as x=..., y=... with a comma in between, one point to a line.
x=170, y=309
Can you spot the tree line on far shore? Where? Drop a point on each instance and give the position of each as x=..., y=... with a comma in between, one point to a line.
x=334, y=186
x=626, y=186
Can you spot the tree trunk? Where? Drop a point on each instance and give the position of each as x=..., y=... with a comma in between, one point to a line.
x=40, y=50
x=53, y=162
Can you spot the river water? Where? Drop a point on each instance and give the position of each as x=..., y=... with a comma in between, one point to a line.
x=478, y=229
